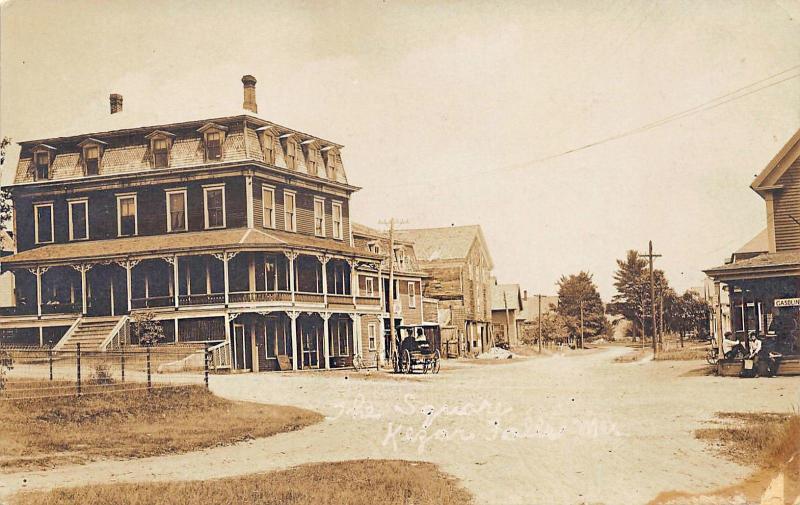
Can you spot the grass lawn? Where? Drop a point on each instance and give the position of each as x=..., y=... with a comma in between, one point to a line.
x=46, y=432
x=361, y=482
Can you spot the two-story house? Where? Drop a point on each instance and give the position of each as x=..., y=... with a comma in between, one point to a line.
x=762, y=279
x=233, y=230
x=458, y=262
x=409, y=306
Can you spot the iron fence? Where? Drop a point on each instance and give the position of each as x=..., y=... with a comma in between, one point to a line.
x=37, y=372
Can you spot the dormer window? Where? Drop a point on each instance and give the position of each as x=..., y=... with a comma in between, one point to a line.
x=269, y=148
x=311, y=150
x=42, y=159
x=374, y=247
x=160, y=146
x=160, y=153
x=91, y=157
x=333, y=161
x=213, y=140
x=214, y=146
x=291, y=154
x=92, y=152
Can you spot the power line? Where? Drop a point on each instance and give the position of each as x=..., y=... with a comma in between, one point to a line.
x=703, y=107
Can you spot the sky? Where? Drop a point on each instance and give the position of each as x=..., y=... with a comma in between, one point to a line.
x=459, y=112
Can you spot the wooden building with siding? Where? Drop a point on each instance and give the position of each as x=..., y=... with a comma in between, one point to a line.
x=765, y=274
x=235, y=231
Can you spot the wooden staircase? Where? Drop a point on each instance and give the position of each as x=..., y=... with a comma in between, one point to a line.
x=92, y=333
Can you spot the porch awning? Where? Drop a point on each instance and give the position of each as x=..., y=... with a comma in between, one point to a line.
x=779, y=264
x=178, y=243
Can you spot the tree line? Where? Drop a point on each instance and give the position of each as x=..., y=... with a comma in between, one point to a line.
x=581, y=312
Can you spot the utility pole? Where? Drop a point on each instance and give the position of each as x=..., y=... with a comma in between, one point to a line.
x=508, y=320
x=540, y=323
x=392, y=344
x=650, y=257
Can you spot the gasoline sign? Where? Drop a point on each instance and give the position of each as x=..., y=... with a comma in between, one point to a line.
x=787, y=302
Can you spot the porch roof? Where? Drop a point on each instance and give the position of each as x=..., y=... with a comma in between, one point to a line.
x=778, y=264
x=178, y=243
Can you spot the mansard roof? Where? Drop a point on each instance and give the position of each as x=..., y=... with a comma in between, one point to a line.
x=126, y=153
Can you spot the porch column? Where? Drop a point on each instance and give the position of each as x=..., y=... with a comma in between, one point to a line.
x=356, y=320
x=225, y=259
x=323, y=260
x=128, y=266
x=251, y=272
x=175, y=281
x=353, y=279
x=38, y=271
x=83, y=269
x=719, y=327
x=291, y=255
x=293, y=315
x=326, y=345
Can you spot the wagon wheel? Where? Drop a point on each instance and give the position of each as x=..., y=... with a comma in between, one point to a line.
x=405, y=364
x=435, y=365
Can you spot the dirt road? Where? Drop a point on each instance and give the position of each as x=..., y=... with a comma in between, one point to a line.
x=555, y=430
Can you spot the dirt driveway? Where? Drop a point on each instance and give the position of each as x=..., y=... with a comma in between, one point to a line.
x=555, y=430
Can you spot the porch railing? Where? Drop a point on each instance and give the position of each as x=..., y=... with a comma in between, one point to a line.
x=61, y=308
x=260, y=296
x=340, y=299
x=368, y=300
x=152, y=302
x=119, y=336
x=309, y=297
x=220, y=356
x=204, y=299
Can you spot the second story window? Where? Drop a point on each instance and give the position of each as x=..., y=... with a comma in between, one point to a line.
x=319, y=217
x=214, y=146
x=214, y=206
x=412, y=295
x=369, y=287
x=289, y=212
x=336, y=210
x=127, y=224
x=43, y=223
x=42, y=160
x=176, y=210
x=160, y=153
x=79, y=219
x=268, y=201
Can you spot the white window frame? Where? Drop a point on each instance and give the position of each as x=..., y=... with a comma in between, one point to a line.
x=206, y=189
x=320, y=217
x=293, y=225
x=338, y=228
x=183, y=191
x=372, y=336
x=412, y=294
x=36, y=207
x=121, y=197
x=369, y=286
x=267, y=189
x=70, y=203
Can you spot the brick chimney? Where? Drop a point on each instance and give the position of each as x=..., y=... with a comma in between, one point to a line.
x=116, y=102
x=249, y=93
